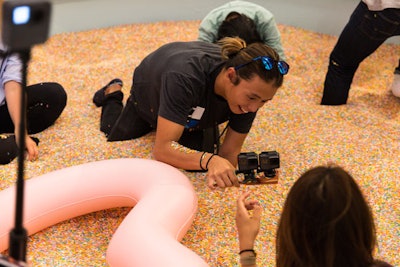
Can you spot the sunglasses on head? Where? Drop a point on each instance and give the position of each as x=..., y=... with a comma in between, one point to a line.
x=268, y=63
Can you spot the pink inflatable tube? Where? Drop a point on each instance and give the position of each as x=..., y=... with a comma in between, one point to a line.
x=164, y=208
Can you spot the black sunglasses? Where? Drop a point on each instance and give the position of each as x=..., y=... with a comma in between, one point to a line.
x=268, y=63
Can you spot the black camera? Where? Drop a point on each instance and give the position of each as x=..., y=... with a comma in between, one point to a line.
x=25, y=23
x=269, y=162
x=249, y=163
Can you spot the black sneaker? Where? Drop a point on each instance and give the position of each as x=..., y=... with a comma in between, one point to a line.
x=98, y=98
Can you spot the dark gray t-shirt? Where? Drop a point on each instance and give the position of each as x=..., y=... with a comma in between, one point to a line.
x=176, y=82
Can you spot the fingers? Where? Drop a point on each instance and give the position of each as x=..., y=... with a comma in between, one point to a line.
x=31, y=149
x=32, y=154
x=228, y=180
x=241, y=204
x=212, y=184
x=243, y=216
x=242, y=199
x=223, y=180
x=234, y=179
x=257, y=211
x=221, y=173
x=251, y=204
x=241, y=211
x=243, y=196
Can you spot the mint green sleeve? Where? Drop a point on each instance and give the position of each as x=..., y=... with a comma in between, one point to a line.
x=207, y=31
x=269, y=32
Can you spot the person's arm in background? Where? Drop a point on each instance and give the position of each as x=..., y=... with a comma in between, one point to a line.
x=248, y=226
x=269, y=31
x=13, y=91
x=208, y=29
x=11, y=78
x=207, y=32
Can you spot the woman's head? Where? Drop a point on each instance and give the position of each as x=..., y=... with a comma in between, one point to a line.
x=254, y=74
x=239, y=25
x=325, y=222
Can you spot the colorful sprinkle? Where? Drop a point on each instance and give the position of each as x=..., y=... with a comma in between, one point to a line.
x=362, y=136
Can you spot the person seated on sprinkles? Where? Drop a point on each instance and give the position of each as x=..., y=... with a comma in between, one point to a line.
x=247, y=20
x=325, y=221
x=184, y=90
x=45, y=103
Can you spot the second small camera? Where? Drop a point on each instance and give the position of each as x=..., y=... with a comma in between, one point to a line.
x=250, y=163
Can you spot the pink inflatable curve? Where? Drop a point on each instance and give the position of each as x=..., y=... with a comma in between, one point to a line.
x=164, y=203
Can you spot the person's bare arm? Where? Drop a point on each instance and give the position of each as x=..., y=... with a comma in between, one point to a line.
x=221, y=172
x=13, y=91
x=232, y=145
x=248, y=226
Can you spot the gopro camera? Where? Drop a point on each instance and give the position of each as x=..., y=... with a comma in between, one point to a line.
x=269, y=162
x=25, y=23
x=249, y=163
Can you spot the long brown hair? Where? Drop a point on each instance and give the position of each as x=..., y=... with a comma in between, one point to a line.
x=236, y=52
x=325, y=222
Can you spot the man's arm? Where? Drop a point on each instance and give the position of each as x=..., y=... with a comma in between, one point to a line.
x=232, y=145
x=221, y=172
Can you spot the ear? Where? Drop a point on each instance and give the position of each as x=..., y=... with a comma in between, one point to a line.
x=232, y=75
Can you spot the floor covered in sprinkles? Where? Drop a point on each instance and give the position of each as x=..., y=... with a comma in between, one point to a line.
x=362, y=136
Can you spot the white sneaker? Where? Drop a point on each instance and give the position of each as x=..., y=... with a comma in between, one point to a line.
x=395, y=87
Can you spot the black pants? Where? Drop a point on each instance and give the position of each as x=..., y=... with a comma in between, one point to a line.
x=124, y=123
x=362, y=35
x=45, y=103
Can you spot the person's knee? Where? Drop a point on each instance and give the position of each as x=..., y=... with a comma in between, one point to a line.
x=60, y=95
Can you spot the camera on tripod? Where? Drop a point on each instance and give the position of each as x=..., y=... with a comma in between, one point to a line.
x=250, y=164
x=25, y=23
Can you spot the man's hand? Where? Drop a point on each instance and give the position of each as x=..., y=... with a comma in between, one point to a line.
x=221, y=173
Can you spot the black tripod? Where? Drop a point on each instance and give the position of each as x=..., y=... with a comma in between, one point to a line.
x=24, y=24
x=18, y=235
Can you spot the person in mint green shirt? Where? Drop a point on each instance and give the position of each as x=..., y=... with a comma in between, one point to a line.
x=243, y=19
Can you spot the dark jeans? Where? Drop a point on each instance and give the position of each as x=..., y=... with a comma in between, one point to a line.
x=121, y=123
x=363, y=34
x=45, y=103
x=124, y=123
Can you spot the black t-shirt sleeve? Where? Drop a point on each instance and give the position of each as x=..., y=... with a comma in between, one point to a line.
x=177, y=97
x=241, y=123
